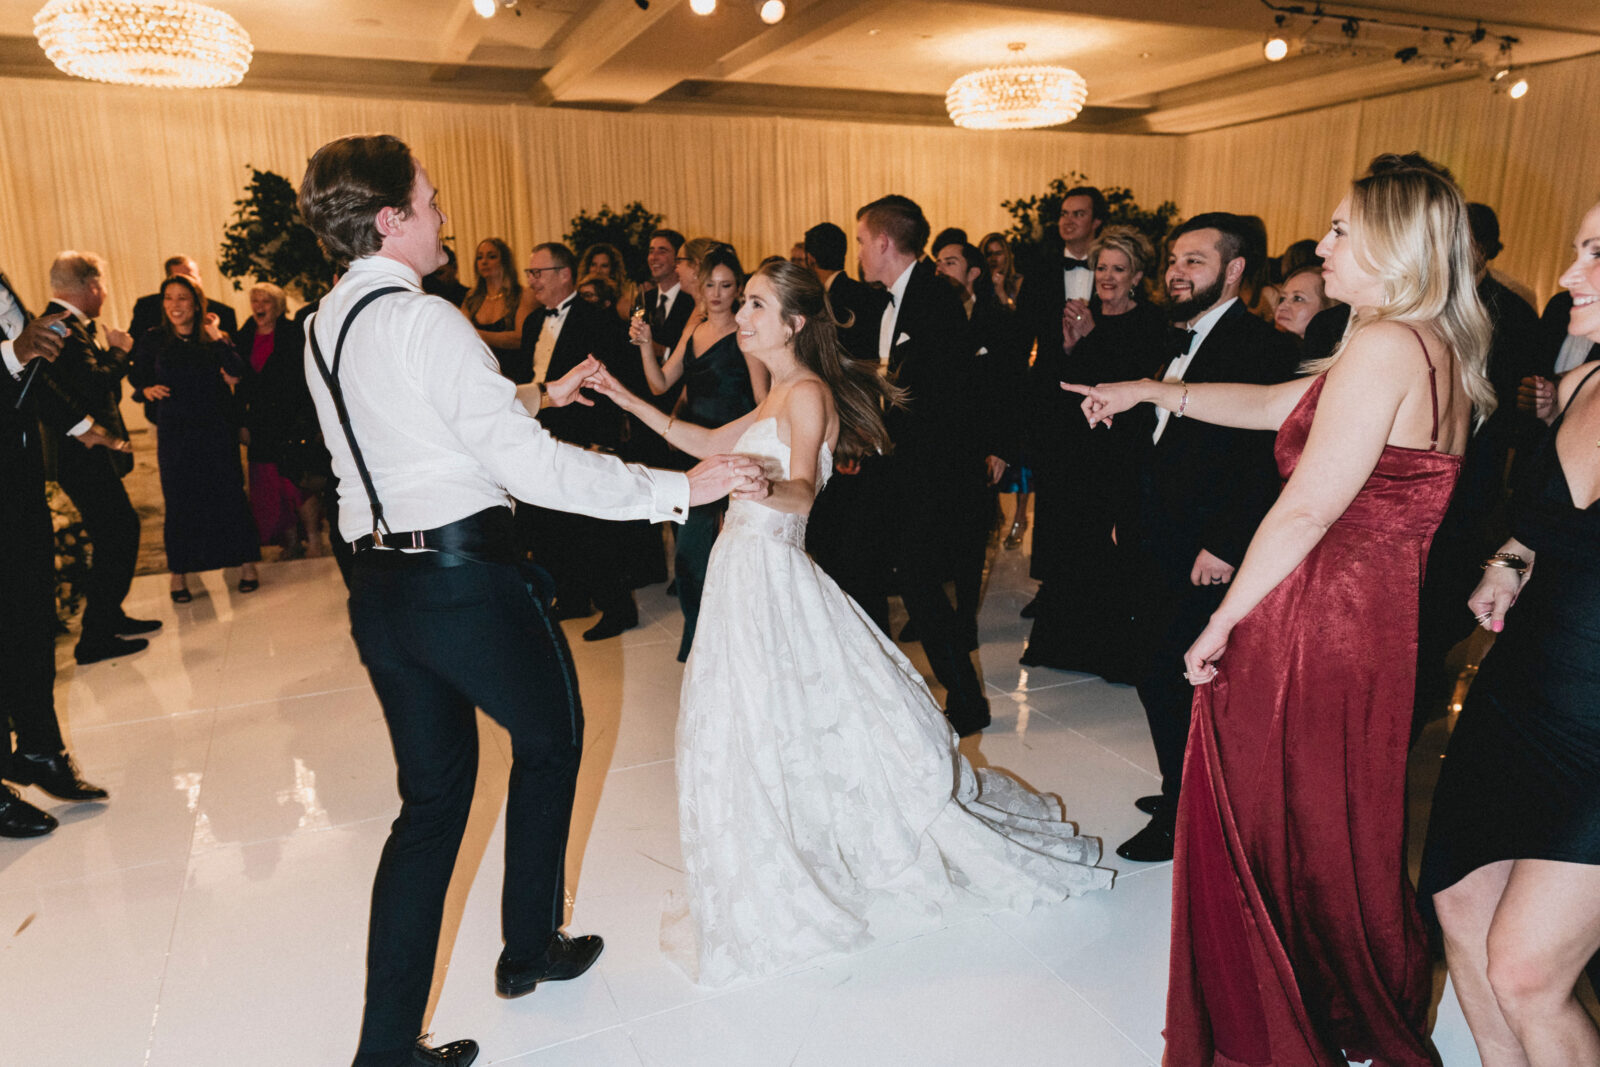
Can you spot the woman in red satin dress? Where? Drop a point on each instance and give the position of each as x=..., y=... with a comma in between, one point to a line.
x=1295, y=936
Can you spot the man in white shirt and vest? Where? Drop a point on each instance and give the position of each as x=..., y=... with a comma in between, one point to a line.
x=429, y=443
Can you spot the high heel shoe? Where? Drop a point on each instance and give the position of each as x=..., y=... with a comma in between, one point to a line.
x=1014, y=538
x=249, y=585
x=181, y=595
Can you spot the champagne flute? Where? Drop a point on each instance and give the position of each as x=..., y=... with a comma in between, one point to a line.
x=638, y=316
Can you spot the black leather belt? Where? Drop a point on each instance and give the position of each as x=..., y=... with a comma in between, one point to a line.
x=487, y=537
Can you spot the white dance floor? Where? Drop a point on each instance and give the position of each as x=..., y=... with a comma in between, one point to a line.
x=214, y=912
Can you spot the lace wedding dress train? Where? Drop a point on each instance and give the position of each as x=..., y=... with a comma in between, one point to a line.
x=817, y=777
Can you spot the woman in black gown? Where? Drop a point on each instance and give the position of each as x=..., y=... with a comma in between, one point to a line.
x=721, y=383
x=183, y=370
x=498, y=306
x=1513, y=853
x=1082, y=622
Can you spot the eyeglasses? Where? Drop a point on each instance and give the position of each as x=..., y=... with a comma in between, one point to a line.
x=534, y=272
x=685, y=259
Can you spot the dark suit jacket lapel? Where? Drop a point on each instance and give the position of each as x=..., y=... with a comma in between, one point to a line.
x=1220, y=337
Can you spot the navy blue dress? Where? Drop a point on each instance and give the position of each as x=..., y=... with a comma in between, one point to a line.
x=208, y=522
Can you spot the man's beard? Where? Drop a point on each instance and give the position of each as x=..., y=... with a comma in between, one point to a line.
x=1201, y=301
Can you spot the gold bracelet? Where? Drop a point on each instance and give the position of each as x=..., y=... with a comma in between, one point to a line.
x=1507, y=560
x=668, y=427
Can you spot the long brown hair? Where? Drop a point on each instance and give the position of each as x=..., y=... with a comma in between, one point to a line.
x=860, y=394
x=196, y=332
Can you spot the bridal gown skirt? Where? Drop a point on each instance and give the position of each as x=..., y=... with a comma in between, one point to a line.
x=818, y=779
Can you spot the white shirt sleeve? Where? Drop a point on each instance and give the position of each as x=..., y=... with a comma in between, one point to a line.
x=8, y=355
x=459, y=377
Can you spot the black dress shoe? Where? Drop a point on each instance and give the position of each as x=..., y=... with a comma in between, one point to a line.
x=455, y=1054
x=56, y=775
x=1153, y=844
x=18, y=818
x=563, y=958
x=131, y=627
x=1152, y=803
x=968, y=721
x=574, y=609
x=611, y=624
x=108, y=646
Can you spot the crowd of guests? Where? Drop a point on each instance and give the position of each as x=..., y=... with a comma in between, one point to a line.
x=1354, y=410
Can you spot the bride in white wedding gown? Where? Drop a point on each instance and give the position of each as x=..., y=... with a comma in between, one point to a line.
x=817, y=777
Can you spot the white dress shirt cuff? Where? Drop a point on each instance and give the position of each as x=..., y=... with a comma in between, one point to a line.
x=669, y=496
x=81, y=428
x=8, y=355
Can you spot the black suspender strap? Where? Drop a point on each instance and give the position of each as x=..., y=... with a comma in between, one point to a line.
x=330, y=378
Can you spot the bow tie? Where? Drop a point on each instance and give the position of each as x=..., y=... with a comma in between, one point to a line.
x=1182, y=341
x=1068, y=263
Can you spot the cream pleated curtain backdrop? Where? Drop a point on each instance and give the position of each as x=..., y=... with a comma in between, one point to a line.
x=138, y=175
x=1536, y=161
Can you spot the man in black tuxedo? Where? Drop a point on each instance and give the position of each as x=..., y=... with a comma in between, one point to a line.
x=1001, y=357
x=586, y=556
x=937, y=467
x=147, y=309
x=848, y=533
x=92, y=452
x=1064, y=276
x=1204, y=490
x=667, y=306
x=28, y=583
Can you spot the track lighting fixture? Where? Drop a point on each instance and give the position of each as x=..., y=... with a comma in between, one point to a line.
x=702, y=7
x=771, y=11
x=487, y=8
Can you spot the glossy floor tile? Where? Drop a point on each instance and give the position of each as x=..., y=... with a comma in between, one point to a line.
x=219, y=900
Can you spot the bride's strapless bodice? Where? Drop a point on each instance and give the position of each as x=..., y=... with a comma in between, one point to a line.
x=761, y=442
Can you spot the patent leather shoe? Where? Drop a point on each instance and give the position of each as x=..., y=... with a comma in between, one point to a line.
x=1151, y=804
x=563, y=958
x=1153, y=844
x=128, y=626
x=18, y=818
x=455, y=1054
x=56, y=775
x=966, y=721
x=613, y=623
x=108, y=646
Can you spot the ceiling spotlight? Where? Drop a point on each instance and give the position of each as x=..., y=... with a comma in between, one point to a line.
x=702, y=7
x=771, y=11
x=486, y=8
x=1275, y=49
x=1519, y=89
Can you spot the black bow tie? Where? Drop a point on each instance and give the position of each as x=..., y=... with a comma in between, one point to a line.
x=1068, y=263
x=89, y=326
x=1182, y=340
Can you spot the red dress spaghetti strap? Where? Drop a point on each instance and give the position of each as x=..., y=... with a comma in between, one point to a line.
x=1295, y=935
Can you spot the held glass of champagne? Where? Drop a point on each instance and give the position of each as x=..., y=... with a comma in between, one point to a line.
x=638, y=316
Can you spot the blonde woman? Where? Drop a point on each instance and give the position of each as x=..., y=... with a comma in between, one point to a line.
x=1296, y=938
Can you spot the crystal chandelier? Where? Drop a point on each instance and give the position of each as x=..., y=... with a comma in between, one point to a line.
x=1016, y=97
x=166, y=44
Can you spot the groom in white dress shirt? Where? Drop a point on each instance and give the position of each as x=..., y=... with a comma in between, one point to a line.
x=444, y=620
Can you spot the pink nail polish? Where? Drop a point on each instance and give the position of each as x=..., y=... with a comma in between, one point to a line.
x=1497, y=625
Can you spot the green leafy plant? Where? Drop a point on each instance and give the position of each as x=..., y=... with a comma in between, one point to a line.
x=630, y=231
x=1033, y=229
x=74, y=553
x=268, y=240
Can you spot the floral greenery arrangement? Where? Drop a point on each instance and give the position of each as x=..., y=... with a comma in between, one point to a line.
x=268, y=240
x=630, y=231
x=73, y=551
x=1033, y=230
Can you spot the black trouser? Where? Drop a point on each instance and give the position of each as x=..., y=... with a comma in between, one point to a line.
x=850, y=536
x=437, y=642
x=935, y=522
x=27, y=617
x=587, y=557
x=91, y=480
x=689, y=562
x=1178, y=614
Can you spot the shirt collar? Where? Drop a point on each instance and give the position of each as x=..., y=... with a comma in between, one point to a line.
x=384, y=265
x=1202, y=326
x=76, y=312
x=669, y=295
x=565, y=305
x=897, y=291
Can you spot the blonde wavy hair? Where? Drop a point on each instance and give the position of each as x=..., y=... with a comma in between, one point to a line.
x=1408, y=228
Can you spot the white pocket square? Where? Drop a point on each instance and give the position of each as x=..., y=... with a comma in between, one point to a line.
x=983, y=351
x=902, y=339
